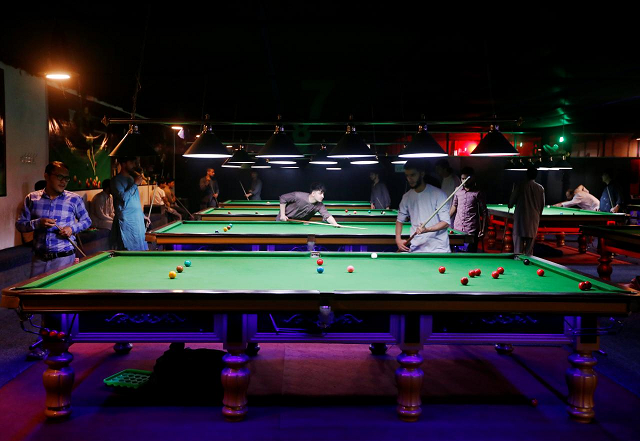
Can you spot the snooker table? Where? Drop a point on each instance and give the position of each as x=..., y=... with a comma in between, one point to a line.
x=554, y=220
x=619, y=239
x=270, y=233
x=269, y=214
x=407, y=287
x=341, y=205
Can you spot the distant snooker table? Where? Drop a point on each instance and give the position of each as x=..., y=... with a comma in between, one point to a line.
x=294, y=233
x=342, y=205
x=269, y=214
x=616, y=239
x=235, y=287
x=554, y=220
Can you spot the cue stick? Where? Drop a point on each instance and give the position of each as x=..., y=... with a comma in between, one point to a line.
x=610, y=200
x=72, y=242
x=244, y=192
x=185, y=208
x=408, y=241
x=324, y=223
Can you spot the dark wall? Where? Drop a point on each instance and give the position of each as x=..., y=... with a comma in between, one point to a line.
x=352, y=183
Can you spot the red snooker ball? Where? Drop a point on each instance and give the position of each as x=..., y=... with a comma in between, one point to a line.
x=472, y=273
x=588, y=284
x=500, y=270
x=179, y=268
x=478, y=272
x=495, y=274
x=350, y=268
x=582, y=286
x=464, y=280
x=53, y=334
x=442, y=269
x=319, y=261
x=540, y=272
x=61, y=335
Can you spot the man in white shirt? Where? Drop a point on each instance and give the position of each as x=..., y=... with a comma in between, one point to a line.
x=581, y=198
x=160, y=199
x=418, y=204
x=101, y=207
x=450, y=181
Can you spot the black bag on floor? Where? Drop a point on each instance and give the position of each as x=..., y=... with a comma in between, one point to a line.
x=189, y=374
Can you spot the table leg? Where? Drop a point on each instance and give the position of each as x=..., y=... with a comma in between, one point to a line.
x=235, y=382
x=582, y=244
x=582, y=381
x=409, y=378
x=491, y=237
x=58, y=380
x=581, y=377
x=560, y=240
x=507, y=240
x=604, y=268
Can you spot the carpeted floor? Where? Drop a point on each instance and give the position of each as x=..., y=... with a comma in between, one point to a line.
x=321, y=391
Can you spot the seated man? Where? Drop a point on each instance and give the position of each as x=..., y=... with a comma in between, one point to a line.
x=580, y=198
x=160, y=199
x=302, y=206
x=101, y=208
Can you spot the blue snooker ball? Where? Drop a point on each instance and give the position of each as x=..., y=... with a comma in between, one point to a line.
x=320, y=270
x=187, y=263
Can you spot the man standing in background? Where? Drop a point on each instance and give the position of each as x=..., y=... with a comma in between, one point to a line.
x=210, y=190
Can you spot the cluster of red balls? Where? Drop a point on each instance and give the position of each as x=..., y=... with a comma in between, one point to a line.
x=52, y=334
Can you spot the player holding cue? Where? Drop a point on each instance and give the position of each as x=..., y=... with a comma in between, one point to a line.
x=418, y=204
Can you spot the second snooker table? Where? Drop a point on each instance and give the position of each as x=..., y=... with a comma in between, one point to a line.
x=342, y=205
x=234, y=287
x=554, y=220
x=270, y=233
x=619, y=239
x=269, y=214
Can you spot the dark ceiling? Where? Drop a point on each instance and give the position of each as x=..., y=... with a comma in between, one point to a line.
x=321, y=61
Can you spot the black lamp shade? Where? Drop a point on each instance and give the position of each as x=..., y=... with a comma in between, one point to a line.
x=494, y=144
x=321, y=158
x=207, y=145
x=279, y=146
x=261, y=163
x=423, y=145
x=351, y=145
x=241, y=156
x=132, y=145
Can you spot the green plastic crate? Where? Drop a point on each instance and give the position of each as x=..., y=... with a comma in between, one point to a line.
x=131, y=378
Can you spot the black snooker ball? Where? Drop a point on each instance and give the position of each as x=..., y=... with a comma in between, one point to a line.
x=526, y=261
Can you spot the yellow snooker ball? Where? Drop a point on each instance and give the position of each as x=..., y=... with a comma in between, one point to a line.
x=172, y=274
x=225, y=229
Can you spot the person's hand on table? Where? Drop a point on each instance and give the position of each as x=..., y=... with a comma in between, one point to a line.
x=401, y=246
x=45, y=222
x=615, y=209
x=283, y=217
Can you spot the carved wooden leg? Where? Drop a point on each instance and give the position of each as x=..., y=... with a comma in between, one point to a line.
x=604, y=268
x=560, y=240
x=582, y=244
x=58, y=380
x=235, y=381
x=582, y=381
x=507, y=240
x=491, y=236
x=409, y=379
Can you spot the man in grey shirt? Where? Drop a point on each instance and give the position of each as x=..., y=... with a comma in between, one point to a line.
x=302, y=206
x=528, y=197
x=256, y=187
x=379, y=193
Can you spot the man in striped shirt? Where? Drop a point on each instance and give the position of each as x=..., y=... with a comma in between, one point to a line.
x=55, y=216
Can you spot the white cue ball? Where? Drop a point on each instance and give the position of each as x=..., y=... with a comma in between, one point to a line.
x=374, y=255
